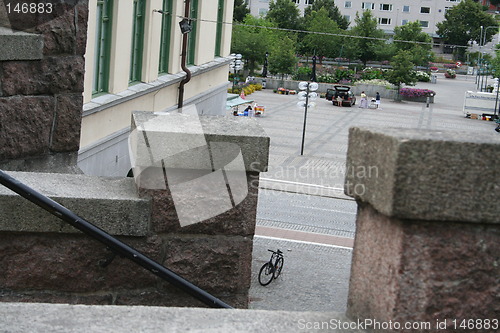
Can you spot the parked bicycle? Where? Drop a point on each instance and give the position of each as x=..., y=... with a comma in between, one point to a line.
x=271, y=269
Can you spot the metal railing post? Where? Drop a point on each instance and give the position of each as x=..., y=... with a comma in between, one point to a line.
x=111, y=242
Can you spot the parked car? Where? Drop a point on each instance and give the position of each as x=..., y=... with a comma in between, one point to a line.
x=348, y=98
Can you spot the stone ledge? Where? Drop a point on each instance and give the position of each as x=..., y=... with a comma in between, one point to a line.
x=424, y=174
x=18, y=45
x=111, y=204
x=198, y=142
x=39, y=317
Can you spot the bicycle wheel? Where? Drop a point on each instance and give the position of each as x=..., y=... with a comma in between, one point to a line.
x=278, y=267
x=266, y=274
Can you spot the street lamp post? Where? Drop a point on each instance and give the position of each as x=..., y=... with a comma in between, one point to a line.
x=313, y=76
x=236, y=65
x=305, y=96
x=264, y=69
x=482, y=43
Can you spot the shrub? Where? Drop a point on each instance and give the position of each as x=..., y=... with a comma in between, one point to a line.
x=376, y=82
x=303, y=73
x=450, y=74
x=371, y=73
x=423, y=76
x=327, y=78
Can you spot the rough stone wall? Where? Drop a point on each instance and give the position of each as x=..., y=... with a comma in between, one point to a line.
x=426, y=247
x=215, y=255
x=41, y=100
x=423, y=271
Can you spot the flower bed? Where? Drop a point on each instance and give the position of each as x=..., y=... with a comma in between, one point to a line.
x=450, y=74
x=417, y=95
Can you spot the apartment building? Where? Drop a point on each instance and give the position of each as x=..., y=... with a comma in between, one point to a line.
x=133, y=62
x=389, y=13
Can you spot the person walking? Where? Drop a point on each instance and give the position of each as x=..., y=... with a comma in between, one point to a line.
x=364, y=102
x=377, y=100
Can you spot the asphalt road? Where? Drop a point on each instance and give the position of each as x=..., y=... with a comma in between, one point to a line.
x=305, y=193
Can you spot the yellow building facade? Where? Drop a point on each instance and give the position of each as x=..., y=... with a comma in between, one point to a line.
x=133, y=63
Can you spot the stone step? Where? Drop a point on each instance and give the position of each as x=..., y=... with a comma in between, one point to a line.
x=39, y=317
x=109, y=203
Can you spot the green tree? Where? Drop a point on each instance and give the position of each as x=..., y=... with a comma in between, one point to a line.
x=284, y=13
x=402, y=71
x=252, y=42
x=319, y=44
x=369, y=42
x=463, y=23
x=420, y=49
x=240, y=10
x=333, y=12
x=282, y=59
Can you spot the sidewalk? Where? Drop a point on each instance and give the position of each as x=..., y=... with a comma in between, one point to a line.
x=316, y=277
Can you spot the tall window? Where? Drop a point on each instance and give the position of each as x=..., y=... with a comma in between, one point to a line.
x=386, y=7
x=166, y=30
x=368, y=5
x=137, y=40
x=102, y=46
x=218, y=36
x=384, y=21
x=192, y=35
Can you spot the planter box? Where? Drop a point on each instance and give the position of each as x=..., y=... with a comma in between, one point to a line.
x=422, y=99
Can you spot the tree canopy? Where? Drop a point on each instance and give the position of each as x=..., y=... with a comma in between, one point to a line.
x=421, y=49
x=402, y=70
x=333, y=12
x=282, y=58
x=250, y=41
x=366, y=48
x=321, y=45
x=240, y=10
x=284, y=13
x=463, y=23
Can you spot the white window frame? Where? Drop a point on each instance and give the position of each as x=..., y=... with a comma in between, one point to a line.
x=386, y=19
x=348, y=4
x=424, y=26
x=404, y=21
x=406, y=11
x=421, y=12
x=364, y=5
x=388, y=5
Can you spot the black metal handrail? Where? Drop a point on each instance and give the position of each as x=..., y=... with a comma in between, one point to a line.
x=111, y=242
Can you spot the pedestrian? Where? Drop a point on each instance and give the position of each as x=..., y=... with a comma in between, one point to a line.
x=339, y=100
x=377, y=100
x=364, y=102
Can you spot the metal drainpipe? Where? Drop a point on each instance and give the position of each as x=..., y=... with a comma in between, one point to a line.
x=187, y=78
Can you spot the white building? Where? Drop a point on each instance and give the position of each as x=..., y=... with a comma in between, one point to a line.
x=389, y=13
x=133, y=62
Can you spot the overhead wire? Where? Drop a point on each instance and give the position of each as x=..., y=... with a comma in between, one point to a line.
x=316, y=32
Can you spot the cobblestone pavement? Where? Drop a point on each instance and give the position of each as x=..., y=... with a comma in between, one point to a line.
x=305, y=193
